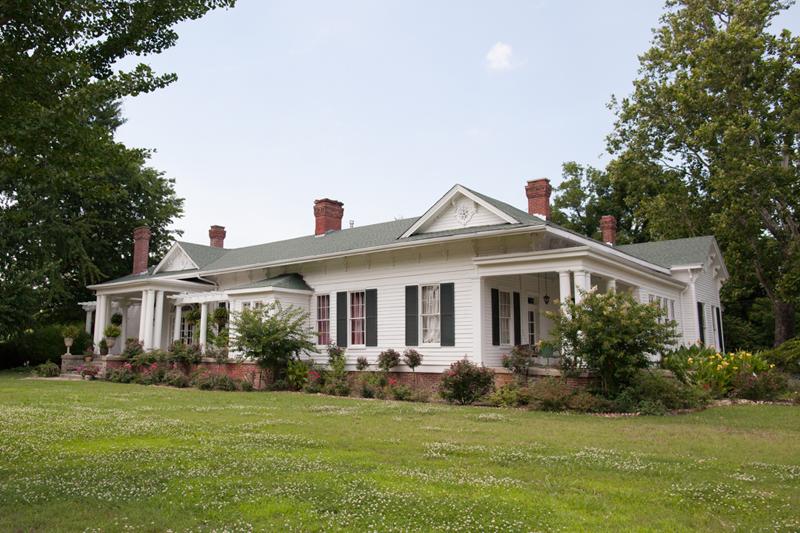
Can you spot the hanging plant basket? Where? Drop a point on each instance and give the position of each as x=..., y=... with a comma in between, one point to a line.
x=220, y=315
x=193, y=317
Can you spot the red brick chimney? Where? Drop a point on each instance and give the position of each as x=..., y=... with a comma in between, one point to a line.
x=141, y=249
x=609, y=226
x=217, y=236
x=538, y=193
x=329, y=215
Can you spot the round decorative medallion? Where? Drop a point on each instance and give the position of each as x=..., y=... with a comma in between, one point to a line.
x=464, y=213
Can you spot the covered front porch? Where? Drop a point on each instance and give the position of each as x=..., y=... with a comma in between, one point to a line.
x=515, y=289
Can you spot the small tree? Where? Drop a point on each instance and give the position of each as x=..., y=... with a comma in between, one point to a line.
x=272, y=336
x=412, y=360
x=611, y=335
x=465, y=382
x=388, y=359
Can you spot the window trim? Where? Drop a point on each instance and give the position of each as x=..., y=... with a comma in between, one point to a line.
x=362, y=318
x=327, y=319
x=422, y=316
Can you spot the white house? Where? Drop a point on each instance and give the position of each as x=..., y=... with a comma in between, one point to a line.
x=469, y=277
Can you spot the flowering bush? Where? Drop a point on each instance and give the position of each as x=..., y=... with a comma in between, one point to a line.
x=399, y=392
x=362, y=364
x=763, y=387
x=89, y=370
x=187, y=354
x=388, y=359
x=133, y=347
x=203, y=379
x=314, y=382
x=123, y=374
x=519, y=361
x=412, y=359
x=704, y=366
x=47, y=370
x=174, y=377
x=465, y=382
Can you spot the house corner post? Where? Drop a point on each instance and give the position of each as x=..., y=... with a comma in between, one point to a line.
x=148, y=319
x=176, y=333
x=159, y=322
x=203, y=325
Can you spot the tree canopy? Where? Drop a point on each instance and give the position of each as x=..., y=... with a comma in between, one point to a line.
x=70, y=195
x=713, y=125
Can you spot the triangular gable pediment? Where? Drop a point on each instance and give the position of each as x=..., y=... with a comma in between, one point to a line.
x=459, y=208
x=176, y=260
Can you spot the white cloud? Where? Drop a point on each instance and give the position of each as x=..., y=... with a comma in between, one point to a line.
x=499, y=57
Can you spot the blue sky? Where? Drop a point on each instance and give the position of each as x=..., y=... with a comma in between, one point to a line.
x=382, y=105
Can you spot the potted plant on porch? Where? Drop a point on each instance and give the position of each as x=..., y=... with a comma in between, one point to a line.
x=88, y=372
x=192, y=317
x=69, y=333
x=88, y=354
x=116, y=319
x=111, y=333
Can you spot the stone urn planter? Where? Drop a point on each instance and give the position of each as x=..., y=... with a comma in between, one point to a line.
x=110, y=342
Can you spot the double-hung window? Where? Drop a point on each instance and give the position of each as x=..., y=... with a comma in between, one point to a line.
x=323, y=319
x=431, y=320
x=357, y=319
x=505, y=317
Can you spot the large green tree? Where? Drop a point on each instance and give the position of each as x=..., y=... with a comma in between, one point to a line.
x=70, y=195
x=714, y=120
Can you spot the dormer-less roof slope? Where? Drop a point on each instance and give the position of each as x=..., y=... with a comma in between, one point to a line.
x=692, y=251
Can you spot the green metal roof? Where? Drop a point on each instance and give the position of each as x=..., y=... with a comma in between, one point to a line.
x=209, y=258
x=286, y=281
x=690, y=251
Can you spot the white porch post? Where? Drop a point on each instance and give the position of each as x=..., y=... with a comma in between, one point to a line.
x=124, y=310
x=176, y=333
x=89, y=321
x=479, y=302
x=141, y=315
x=159, y=325
x=203, y=325
x=564, y=286
x=99, y=320
x=148, y=320
x=611, y=285
x=580, y=284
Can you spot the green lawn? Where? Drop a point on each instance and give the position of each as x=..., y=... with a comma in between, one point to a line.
x=95, y=456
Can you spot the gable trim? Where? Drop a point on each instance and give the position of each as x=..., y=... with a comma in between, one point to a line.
x=444, y=203
x=176, y=249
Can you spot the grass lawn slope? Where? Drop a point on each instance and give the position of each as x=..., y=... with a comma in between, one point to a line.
x=102, y=457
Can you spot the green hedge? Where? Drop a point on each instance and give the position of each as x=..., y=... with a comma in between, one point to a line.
x=35, y=347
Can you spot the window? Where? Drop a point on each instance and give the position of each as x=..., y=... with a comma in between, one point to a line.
x=357, y=319
x=245, y=306
x=187, y=330
x=531, y=327
x=505, y=317
x=323, y=319
x=431, y=324
x=701, y=322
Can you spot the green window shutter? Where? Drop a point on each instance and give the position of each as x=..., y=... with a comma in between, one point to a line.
x=517, y=321
x=495, y=317
x=701, y=322
x=341, y=319
x=447, y=309
x=412, y=315
x=372, y=317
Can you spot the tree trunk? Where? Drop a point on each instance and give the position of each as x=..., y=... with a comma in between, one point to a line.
x=784, y=322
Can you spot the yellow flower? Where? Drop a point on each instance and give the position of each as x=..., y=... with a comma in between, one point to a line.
x=690, y=359
x=719, y=367
x=771, y=366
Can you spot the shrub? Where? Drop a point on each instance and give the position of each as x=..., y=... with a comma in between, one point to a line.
x=785, y=357
x=612, y=335
x=203, y=379
x=652, y=394
x=704, y=366
x=367, y=389
x=388, y=359
x=89, y=370
x=763, y=387
x=187, y=354
x=412, y=359
x=123, y=374
x=47, y=370
x=34, y=347
x=336, y=381
x=296, y=373
x=226, y=382
x=149, y=357
x=519, y=361
x=465, y=382
x=420, y=396
x=314, y=382
x=174, y=377
x=133, y=347
x=247, y=386
x=399, y=392
x=340, y=387
x=551, y=394
x=272, y=336
x=508, y=396
x=116, y=319
x=362, y=364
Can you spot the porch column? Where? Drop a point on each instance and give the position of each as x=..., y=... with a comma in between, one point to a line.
x=99, y=320
x=159, y=325
x=141, y=316
x=176, y=333
x=89, y=321
x=478, y=329
x=203, y=325
x=124, y=310
x=611, y=285
x=148, y=320
x=564, y=286
x=580, y=284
